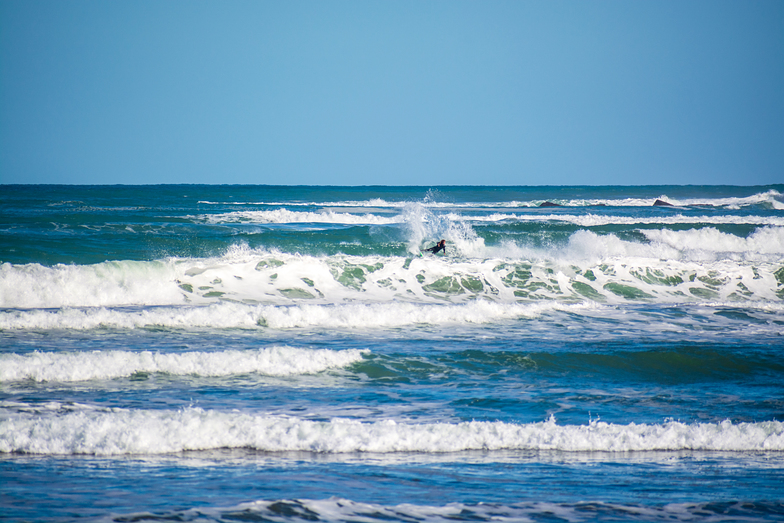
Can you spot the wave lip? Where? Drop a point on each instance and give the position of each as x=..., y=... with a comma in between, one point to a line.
x=120, y=432
x=82, y=366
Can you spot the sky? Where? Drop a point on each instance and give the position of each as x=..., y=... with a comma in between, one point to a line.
x=422, y=92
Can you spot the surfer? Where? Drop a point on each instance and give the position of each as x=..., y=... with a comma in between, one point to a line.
x=440, y=246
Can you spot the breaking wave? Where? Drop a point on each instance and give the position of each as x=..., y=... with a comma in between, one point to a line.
x=227, y=315
x=286, y=216
x=69, y=429
x=771, y=198
x=673, y=267
x=81, y=366
x=339, y=509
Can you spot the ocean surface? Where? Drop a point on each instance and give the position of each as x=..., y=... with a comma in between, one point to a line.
x=274, y=353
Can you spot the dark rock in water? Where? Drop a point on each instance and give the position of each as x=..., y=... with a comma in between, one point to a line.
x=662, y=203
x=550, y=204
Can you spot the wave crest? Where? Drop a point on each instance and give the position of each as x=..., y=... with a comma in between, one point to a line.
x=668, y=266
x=119, y=432
x=81, y=366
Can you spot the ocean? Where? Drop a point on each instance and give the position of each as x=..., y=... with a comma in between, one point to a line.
x=277, y=353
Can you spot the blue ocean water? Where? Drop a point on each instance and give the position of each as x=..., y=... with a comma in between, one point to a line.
x=275, y=353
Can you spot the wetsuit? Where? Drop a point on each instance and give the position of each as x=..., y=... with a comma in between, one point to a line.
x=438, y=247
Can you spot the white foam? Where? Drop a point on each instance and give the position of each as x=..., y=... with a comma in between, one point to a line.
x=120, y=431
x=220, y=315
x=226, y=315
x=709, y=264
x=597, y=220
x=697, y=245
x=405, y=314
x=426, y=214
x=103, y=284
x=771, y=198
x=710, y=242
x=287, y=216
x=360, y=292
x=82, y=366
x=340, y=509
x=373, y=202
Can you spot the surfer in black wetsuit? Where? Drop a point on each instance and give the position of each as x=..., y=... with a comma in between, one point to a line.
x=440, y=246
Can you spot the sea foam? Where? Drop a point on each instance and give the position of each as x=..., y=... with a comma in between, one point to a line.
x=770, y=198
x=341, y=509
x=598, y=220
x=286, y=216
x=227, y=315
x=72, y=430
x=108, y=283
x=668, y=266
x=81, y=366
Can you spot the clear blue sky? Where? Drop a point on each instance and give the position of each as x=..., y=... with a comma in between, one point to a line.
x=393, y=93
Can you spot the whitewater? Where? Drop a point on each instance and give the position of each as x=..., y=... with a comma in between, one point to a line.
x=273, y=353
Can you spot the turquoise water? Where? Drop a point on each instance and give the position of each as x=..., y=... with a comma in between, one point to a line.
x=259, y=353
